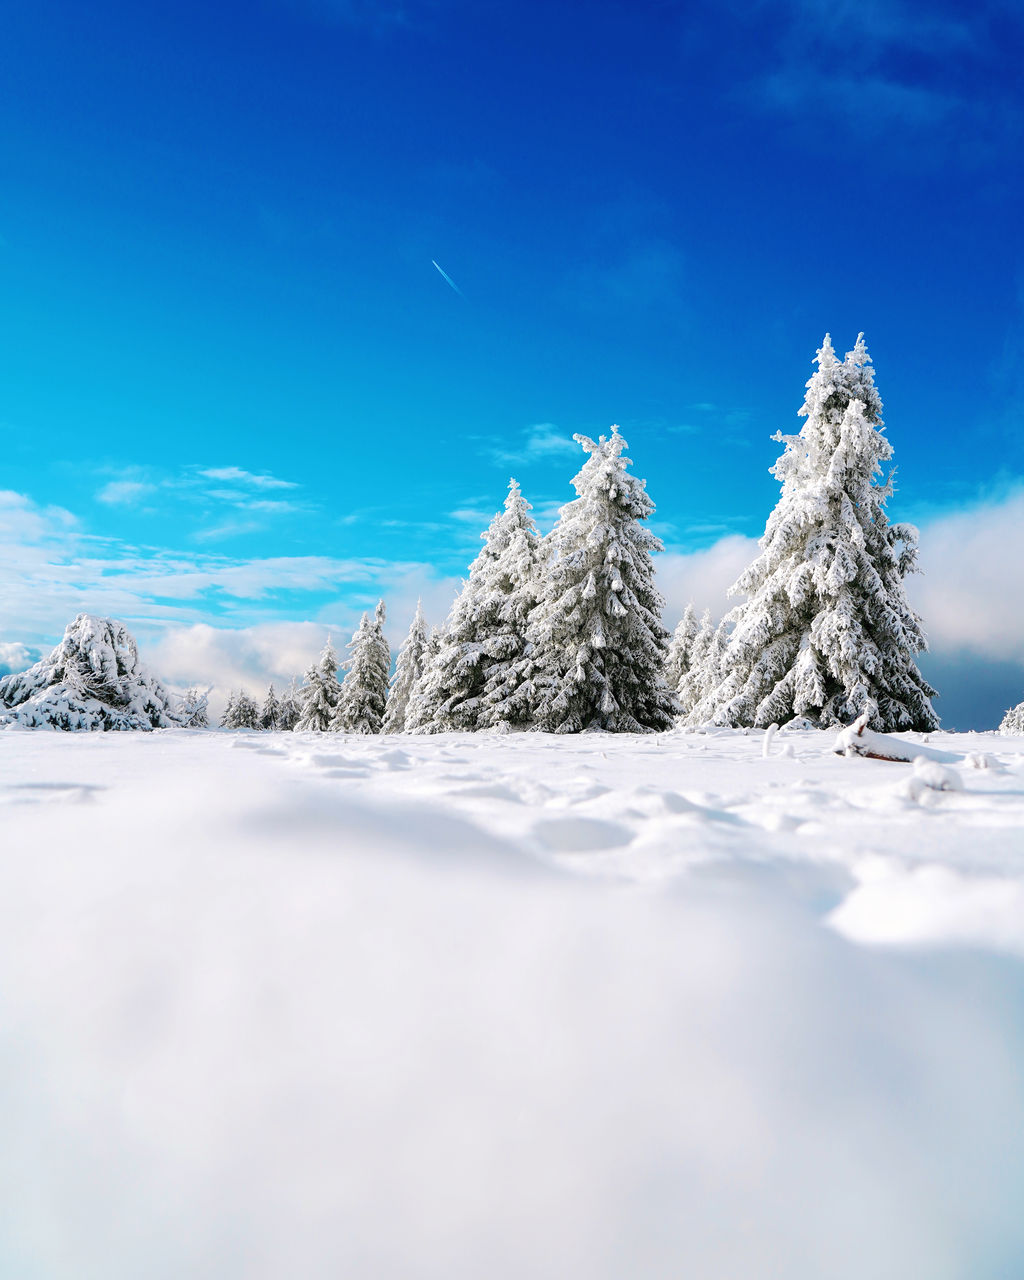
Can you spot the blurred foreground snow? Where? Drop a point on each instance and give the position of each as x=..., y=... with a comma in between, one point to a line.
x=471, y=1006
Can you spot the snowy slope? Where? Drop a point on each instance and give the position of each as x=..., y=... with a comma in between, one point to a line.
x=468, y=1006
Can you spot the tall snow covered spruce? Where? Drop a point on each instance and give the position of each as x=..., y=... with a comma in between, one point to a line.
x=412, y=658
x=826, y=631
x=597, y=645
x=92, y=680
x=319, y=694
x=471, y=683
x=364, y=691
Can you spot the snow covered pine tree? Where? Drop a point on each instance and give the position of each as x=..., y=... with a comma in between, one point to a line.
x=270, y=715
x=597, y=646
x=92, y=680
x=290, y=709
x=412, y=658
x=826, y=631
x=680, y=648
x=364, y=691
x=470, y=684
x=194, y=710
x=320, y=693
x=241, y=712
x=1013, y=722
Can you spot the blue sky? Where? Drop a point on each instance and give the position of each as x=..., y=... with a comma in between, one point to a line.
x=235, y=393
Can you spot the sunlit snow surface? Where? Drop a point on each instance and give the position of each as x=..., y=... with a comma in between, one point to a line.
x=472, y=1006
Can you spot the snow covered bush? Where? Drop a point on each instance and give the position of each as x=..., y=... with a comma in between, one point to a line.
x=597, y=648
x=472, y=682
x=92, y=680
x=241, y=711
x=1013, y=722
x=364, y=691
x=826, y=631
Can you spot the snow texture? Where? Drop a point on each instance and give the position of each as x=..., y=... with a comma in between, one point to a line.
x=465, y=1005
x=826, y=631
x=92, y=680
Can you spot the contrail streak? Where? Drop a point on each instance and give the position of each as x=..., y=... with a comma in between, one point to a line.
x=449, y=279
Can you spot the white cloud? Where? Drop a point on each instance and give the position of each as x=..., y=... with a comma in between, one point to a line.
x=14, y=656
x=125, y=493
x=971, y=593
x=703, y=577
x=238, y=476
x=540, y=441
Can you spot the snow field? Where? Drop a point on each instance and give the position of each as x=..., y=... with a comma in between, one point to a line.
x=476, y=1005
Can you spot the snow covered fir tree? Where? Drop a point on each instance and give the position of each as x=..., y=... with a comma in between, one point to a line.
x=319, y=694
x=364, y=690
x=92, y=680
x=412, y=660
x=471, y=682
x=596, y=645
x=1012, y=724
x=194, y=711
x=826, y=631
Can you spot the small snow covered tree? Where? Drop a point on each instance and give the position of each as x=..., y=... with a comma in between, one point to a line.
x=320, y=693
x=194, y=710
x=228, y=714
x=693, y=685
x=1013, y=722
x=597, y=646
x=680, y=648
x=471, y=683
x=93, y=679
x=826, y=631
x=270, y=715
x=364, y=691
x=412, y=658
x=290, y=708
x=242, y=712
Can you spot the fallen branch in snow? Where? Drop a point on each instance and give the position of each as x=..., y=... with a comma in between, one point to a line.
x=858, y=740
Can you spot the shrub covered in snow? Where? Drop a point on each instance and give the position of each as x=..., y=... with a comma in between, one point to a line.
x=1013, y=722
x=92, y=680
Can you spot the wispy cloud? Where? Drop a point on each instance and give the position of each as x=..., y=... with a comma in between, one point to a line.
x=125, y=493
x=247, y=478
x=538, y=442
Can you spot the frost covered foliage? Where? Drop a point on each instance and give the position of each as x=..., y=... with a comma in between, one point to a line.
x=472, y=682
x=1013, y=722
x=240, y=712
x=693, y=685
x=597, y=645
x=412, y=659
x=364, y=691
x=194, y=712
x=680, y=648
x=270, y=713
x=826, y=631
x=290, y=708
x=92, y=680
x=319, y=694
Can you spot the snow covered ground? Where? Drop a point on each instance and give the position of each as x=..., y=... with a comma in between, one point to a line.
x=473, y=1006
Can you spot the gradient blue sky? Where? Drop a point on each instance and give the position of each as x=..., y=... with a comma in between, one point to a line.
x=234, y=392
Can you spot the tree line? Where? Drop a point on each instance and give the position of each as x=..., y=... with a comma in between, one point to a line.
x=564, y=633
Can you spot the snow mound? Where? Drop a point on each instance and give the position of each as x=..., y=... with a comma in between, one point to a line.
x=92, y=680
